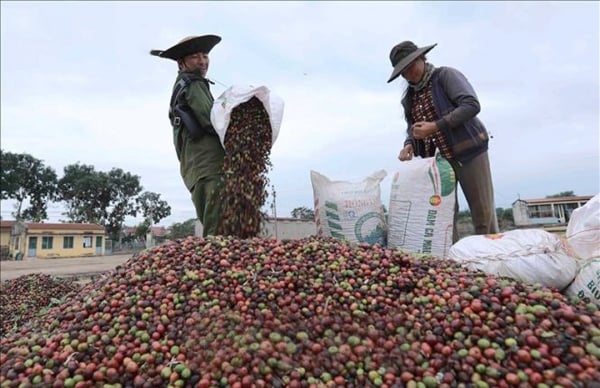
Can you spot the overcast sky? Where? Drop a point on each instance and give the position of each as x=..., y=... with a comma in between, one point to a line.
x=78, y=85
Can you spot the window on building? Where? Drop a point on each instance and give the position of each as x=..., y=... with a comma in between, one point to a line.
x=540, y=211
x=47, y=242
x=87, y=241
x=68, y=242
x=569, y=207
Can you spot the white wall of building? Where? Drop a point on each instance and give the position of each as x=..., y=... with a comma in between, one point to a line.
x=280, y=228
x=289, y=228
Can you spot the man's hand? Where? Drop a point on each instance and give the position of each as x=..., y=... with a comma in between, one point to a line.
x=423, y=129
x=406, y=153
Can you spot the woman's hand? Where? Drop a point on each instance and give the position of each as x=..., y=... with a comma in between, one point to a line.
x=406, y=153
x=423, y=129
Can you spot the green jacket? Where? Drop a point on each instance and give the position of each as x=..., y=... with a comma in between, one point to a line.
x=202, y=157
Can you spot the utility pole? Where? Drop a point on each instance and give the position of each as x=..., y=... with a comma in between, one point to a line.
x=275, y=209
x=149, y=239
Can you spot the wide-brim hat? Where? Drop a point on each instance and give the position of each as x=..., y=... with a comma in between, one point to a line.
x=189, y=45
x=403, y=54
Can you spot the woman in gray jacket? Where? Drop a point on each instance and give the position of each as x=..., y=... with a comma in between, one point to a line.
x=441, y=107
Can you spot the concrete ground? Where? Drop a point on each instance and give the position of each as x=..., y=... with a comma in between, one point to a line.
x=61, y=267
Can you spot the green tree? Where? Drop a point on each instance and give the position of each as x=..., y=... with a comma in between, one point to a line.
x=183, y=229
x=84, y=191
x=142, y=229
x=23, y=177
x=505, y=218
x=464, y=216
x=152, y=207
x=504, y=214
x=124, y=187
x=563, y=194
x=99, y=197
x=303, y=213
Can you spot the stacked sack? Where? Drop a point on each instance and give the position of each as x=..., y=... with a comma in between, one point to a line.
x=421, y=207
x=350, y=211
x=583, y=240
x=418, y=223
x=529, y=255
x=422, y=202
x=570, y=264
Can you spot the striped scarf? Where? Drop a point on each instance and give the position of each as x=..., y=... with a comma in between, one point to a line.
x=429, y=68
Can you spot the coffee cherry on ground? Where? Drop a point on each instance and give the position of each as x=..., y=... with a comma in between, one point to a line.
x=223, y=311
x=24, y=298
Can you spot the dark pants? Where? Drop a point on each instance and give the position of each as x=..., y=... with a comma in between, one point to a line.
x=475, y=179
x=206, y=196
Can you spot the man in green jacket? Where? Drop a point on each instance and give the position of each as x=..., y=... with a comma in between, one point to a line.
x=197, y=145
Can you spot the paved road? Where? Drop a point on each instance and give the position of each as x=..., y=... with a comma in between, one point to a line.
x=60, y=267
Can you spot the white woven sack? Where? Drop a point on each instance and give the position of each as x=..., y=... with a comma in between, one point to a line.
x=422, y=201
x=529, y=255
x=586, y=284
x=235, y=95
x=350, y=211
x=583, y=230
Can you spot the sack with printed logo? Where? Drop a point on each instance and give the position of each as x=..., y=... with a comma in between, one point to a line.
x=422, y=201
x=350, y=211
x=586, y=285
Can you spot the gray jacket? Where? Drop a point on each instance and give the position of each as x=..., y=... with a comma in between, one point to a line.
x=457, y=106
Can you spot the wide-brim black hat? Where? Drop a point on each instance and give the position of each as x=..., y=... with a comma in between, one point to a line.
x=403, y=54
x=188, y=46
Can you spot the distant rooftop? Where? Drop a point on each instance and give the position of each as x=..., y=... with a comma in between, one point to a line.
x=576, y=198
x=55, y=226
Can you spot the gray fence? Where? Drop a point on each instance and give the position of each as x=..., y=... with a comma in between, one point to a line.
x=123, y=247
